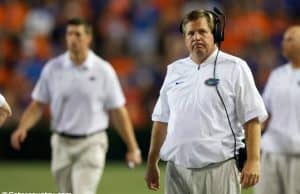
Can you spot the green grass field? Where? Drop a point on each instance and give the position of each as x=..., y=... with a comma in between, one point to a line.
x=36, y=177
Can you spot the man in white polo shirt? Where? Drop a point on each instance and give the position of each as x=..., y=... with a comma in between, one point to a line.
x=5, y=110
x=83, y=91
x=191, y=129
x=281, y=140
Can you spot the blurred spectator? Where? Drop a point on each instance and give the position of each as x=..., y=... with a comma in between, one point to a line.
x=138, y=37
x=13, y=15
x=143, y=36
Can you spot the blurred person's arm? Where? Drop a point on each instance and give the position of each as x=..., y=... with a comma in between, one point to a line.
x=159, y=132
x=5, y=110
x=29, y=118
x=120, y=119
x=251, y=171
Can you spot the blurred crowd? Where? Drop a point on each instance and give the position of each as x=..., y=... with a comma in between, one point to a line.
x=138, y=37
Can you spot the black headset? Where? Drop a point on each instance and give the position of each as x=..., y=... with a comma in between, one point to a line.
x=218, y=28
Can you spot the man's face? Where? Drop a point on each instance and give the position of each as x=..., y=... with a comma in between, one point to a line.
x=291, y=43
x=199, y=38
x=78, y=40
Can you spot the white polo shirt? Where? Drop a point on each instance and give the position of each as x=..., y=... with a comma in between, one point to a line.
x=198, y=130
x=281, y=96
x=79, y=96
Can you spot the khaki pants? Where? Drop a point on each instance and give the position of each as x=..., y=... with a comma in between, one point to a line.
x=77, y=164
x=280, y=174
x=221, y=178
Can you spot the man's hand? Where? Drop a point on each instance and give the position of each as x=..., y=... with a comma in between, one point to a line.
x=133, y=158
x=152, y=176
x=17, y=138
x=250, y=173
x=29, y=118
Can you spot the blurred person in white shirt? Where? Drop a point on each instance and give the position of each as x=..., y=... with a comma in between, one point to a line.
x=83, y=91
x=281, y=140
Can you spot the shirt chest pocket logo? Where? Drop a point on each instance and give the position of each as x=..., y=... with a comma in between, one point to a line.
x=92, y=78
x=178, y=82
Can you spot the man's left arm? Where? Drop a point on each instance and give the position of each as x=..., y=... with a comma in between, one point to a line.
x=251, y=171
x=120, y=119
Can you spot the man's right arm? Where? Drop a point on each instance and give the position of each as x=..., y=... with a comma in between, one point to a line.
x=29, y=118
x=159, y=132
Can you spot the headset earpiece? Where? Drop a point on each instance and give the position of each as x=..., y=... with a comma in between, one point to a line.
x=217, y=28
x=217, y=31
x=181, y=27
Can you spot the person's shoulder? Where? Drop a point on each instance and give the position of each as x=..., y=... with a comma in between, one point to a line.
x=179, y=64
x=231, y=59
x=281, y=69
x=102, y=65
x=236, y=63
x=54, y=63
x=99, y=61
